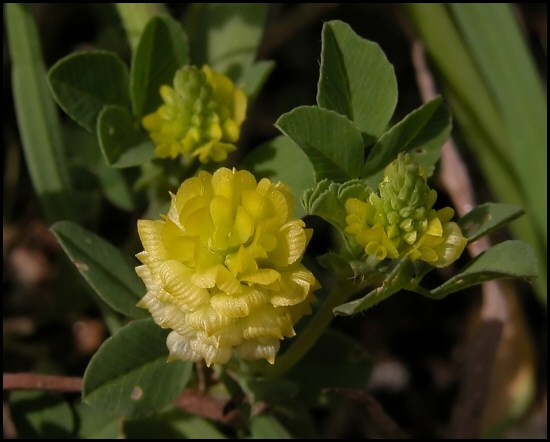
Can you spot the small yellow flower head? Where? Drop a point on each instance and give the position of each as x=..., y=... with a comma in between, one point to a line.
x=400, y=221
x=223, y=270
x=201, y=116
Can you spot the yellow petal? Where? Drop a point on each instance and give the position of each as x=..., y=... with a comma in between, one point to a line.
x=243, y=228
x=180, y=348
x=260, y=276
x=207, y=320
x=259, y=349
x=296, y=284
x=291, y=244
x=176, y=280
x=452, y=247
x=150, y=234
x=238, y=305
x=268, y=322
x=435, y=228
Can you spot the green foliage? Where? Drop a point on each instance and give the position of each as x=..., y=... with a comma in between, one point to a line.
x=332, y=143
x=256, y=75
x=104, y=267
x=487, y=217
x=227, y=36
x=122, y=144
x=509, y=259
x=36, y=117
x=96, y=424
x=356, y=79
x=84, y=82
x=265, y=426
x=421, y=133
x=327, y=199
x=129, y=375
x=41, y=415
x=361, y=108
x=135, y=16
x=335, y=361
x=172, y=424
x=397, y=279
x=162, y=50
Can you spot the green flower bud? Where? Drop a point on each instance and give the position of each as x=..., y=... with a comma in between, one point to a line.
x=406, y=200
x=201, y=116
x=400, y=220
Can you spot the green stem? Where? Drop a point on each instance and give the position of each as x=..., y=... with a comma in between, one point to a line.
x=135, y=17
x=313, y=331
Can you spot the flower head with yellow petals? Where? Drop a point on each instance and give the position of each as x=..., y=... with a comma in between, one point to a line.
x=201, y=116
x=223, y=268
x=399, y=221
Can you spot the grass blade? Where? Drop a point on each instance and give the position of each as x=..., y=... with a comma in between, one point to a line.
x=37, y=116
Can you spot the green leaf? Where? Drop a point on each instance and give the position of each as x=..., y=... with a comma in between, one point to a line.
x=266, y=426
x=129, y=375
x=122, y=144
x=37, y=414
x=115, y=187
x=422, y=133
x=327, y=200
x=281, y=160
x=95, y=424
x=516, y=87
x=37, y=119
x=84, y=82
x=226, y=35
x=161, y=51
x=487, y=217
x=194, y=427
x=332, y=143
x=269, y=390
x=103, y=266
x=136, y=16
x=356, y=79
x=335, y=361
x=173, y=424
x=87, y=154
x=396, y=280
x=509, y=259
x=255, y=77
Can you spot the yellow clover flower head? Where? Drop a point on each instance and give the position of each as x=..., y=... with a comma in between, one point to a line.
x=400, y=220
x=201, y=116
x=223, y=268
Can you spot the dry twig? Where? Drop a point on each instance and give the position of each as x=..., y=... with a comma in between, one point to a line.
x=33, y=381
x=190, y=400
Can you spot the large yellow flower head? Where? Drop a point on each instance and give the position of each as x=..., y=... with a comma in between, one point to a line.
x=400, y=220
x=223, y=270
x=201, y=116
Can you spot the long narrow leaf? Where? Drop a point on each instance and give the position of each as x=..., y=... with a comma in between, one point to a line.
x=37, y=116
